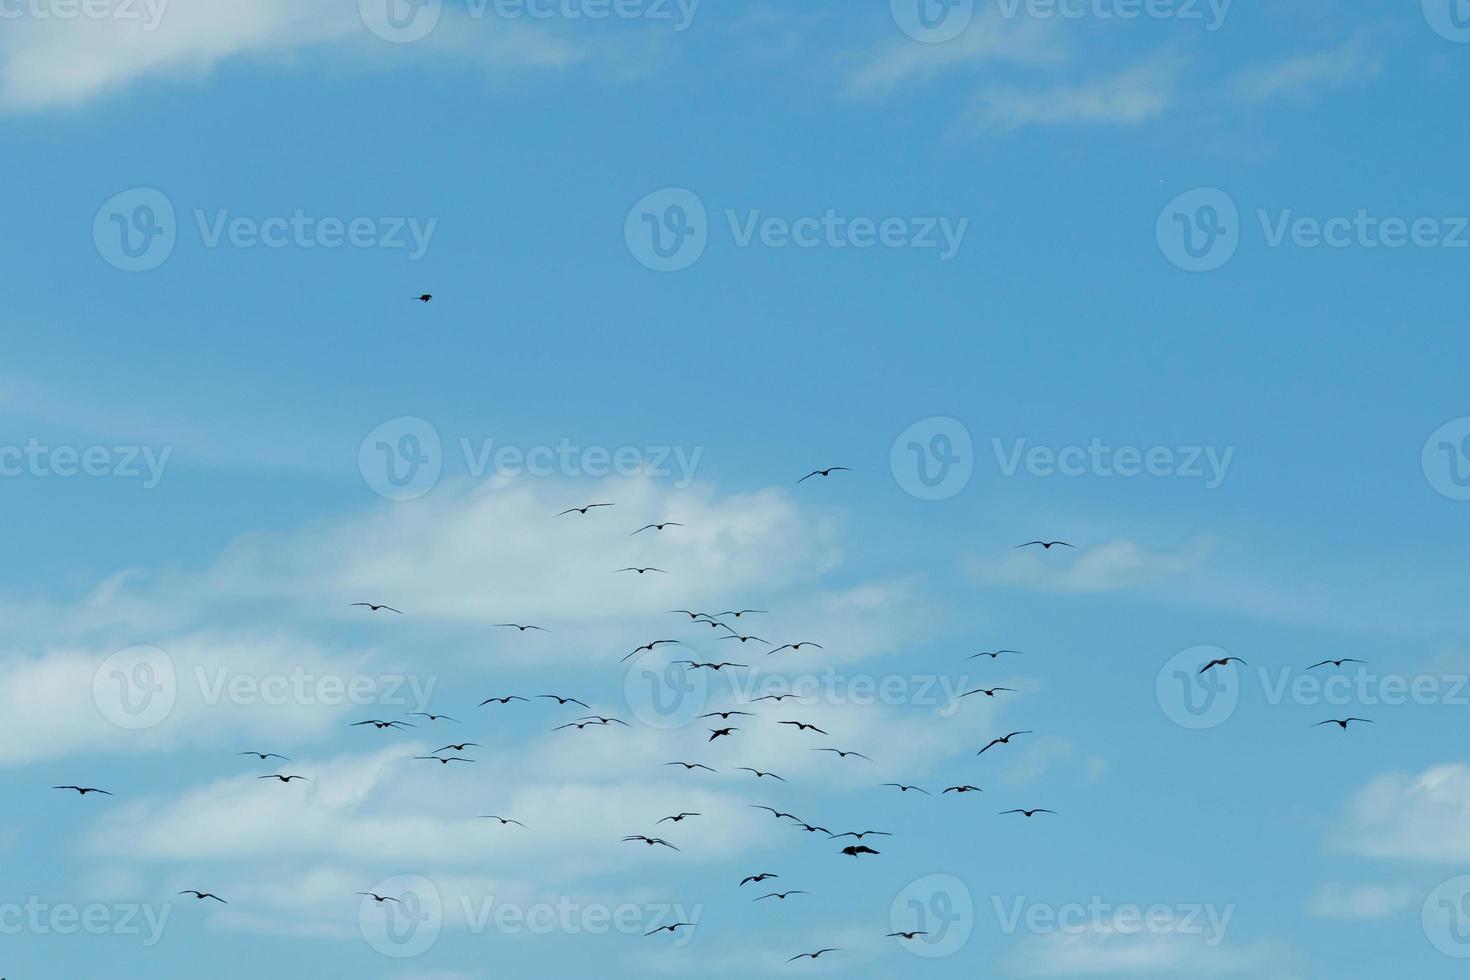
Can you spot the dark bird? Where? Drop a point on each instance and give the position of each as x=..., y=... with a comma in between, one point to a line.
x=374, y=607
x=456, y=748
x=284, y=779
x=84, y=790
x=781, y=895
x=813, y=829
x=425, y=297
x=778, y=814
x=381, y=724
x=690, y=765
x=650, y=841
x=201, y=896
x=565, y=701
x=425, y=714
x=1027, y=813
x=819, y=952
x=692, y=614
x=757, y=878
x=658, y=527
x=758, y=773
x=676, y=925
x=262, y=756
x=505, y=700
x=741, y=612
x=993, y=655
x=1342, y=723
x=718, y=732
x=802, y=726
x=579, y=724
x=605, y=721
x=853, y=850
x=989, y=692
x=642, y=571
x=827, y=472
x=697, y=666
x=1222, y=662
x=793, y=646
x=726, y=714
x=679, y=817
x=963, y=789
x=778, y=698
x=904, y=789
x=518, y=626
x=646, y=646
x=743, y=639
x=906, y=935
x=1047, y=545
x=581, y=510
x=843, y=755
x=1002, y=741
x=380, y=899
x=503, y=820
x=446, y=760
x=1337, y=663
x=866, y=833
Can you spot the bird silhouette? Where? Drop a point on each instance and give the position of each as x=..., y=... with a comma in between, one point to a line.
x=813, y=956
x=963, y=789
x=518, y=626
x=843, y=755
x=1337, y=663
x=650, y=841
x=581, y=510
x=658, y=527
x=793, y=646
x=993, y=655
x=758, y=773
x=904, y=789
x=1222, y=662
x=782, y=895
x=425, y=714
x=262, y=756
x=1046, y=545
x=1002, y=741
x=376, y=607
x=201, y=896
x=503, y=820
x=715, y=733
x=824, y=473
x=1027, y=813
x=757, y=878
x=284, y=779
x=690, y=765
x=680, y=817
x=84, y=790
x=802, y=726
x=855, y=850
x=1342, y=723
x=989, y=692
x=505, y=700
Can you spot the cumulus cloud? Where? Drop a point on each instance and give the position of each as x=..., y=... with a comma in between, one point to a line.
x=1423, y=817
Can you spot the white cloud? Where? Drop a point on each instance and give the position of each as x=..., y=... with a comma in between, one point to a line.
x=1135, y=95
x=1176, y=945
x=1306, y=75
x=1424, y=817
x=1107, y=567
x=1360, y=902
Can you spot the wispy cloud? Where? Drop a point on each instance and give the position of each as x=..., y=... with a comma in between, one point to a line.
x=1306, y=75
x=1423, y=817
x=1135, y=95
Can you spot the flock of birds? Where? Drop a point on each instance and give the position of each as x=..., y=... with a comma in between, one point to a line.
x=453, y=752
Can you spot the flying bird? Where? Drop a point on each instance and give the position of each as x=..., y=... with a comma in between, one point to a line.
x=503, y=820
x=1342, y=723
x=646, y=646
x=855, y=850
x=380, y=724
x=581, y=510
x=758, y=773
x=518, y=626
x=793, y=646
x=284, y=779
x=812, y=955
x=84, y=790
x=658, y=527
x=605, y=721
x=262, y=756
x=743, y=639
x=904, y=789
x=906, y=935
x=692, y=614
x=813, y=829
x=679, y=817
x=781, y=895
x=1027, y=813
x=505, y=700
x=642, y=571
x=866, y=833
x=565, y=701
x=425, y=714
x=963, y=789
x=693, y=665
x=989, y=692
x=1002, y=741
x=1337, y=663
x=726, y=714
x=579, y=724
x=380, y=899
x=757, y=878
x=1222, y=662
x=201, y=896
x=993, y=655
x=375, y=607
x=824, y=473
x=456, y=748
x=737, y=613
x=425, y=297
x=1046, y=545
x=445, y=760
x=690, y=765
x=650, y=841
x=721, y=732
x=669, y=929
x=778, y=814
x=843, y=755
x=802, y=726
x=778, y=698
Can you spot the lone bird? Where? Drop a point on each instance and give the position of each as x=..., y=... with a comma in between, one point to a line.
x=1343, y=722
x=203, y=895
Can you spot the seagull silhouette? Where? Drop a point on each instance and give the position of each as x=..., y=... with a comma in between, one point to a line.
x=993, y=655
x=743, y=639
x=813, y=955
x=647, y=646
x=425, y=297
x=1027, y=813
x=726, y=714
x=375, y=607
x=380, y=899
x=201, y=896
x=865, y=833
x=650, y=841
x=757, y=878
x=782, y=895
x=581, y=510
x=719, y=732
x=505, y=700
x=84, y=790
x=518, y=626
x=457, y=748
x=1046, y=545
x=565, y=701
x=425, y=714
x=904, y=789
x=824, y=473
x=758, y=773
x=777, y=813
x=907, y=935
x=642, y=571
x=793, y=646
x=690, y=765
x=444, y=761
x=843, y=755
x=679, y=817
x=658, y=527
x=284, y=779
x=262, y=756
x=1002, y=741
x=503, y=820
x=669, y=929
x=380, y=724
x=802, y=726
x=1337, y=663
x=854, y=850
x=1222, y=662
x=963, y=789
x=1342, y=723
x=989, y=692
x=693, y=665
x=737, y=613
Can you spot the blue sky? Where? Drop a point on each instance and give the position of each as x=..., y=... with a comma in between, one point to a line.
x=1181, y=288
